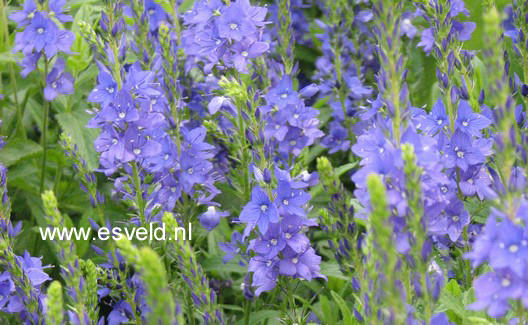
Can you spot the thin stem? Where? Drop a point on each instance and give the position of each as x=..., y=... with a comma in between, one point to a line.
x=139, y=194
x=247, y=312
x=44, y=131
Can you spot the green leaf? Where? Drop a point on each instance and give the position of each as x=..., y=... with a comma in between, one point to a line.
x=260, y=316
x=339, y=171
x=18, y=149
x=216, y=264
x=478, y=210
x=348, y=319
x=74, y=124
x=331, y=269
x=453, y=304
x=328, y=313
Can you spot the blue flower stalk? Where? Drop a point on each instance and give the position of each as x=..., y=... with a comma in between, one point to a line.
x=42, y=38
x=384, y=289
x=391, y=77
x=162, y=307
x=444, y=39
x=285, y=39
x=83, y=309
x=87, y=178
x=200, y=295
x=23, y=276
x=338, y=221
x=348, y=55
x=502, y=242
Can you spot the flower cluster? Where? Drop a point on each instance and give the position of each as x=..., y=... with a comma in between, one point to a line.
x=291, y=126
x=229, y=35
x=42, y=37
x=280, y=246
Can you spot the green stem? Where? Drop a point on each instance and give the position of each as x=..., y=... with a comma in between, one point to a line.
x=44, y=131
x=247, y=312
x=139, y=195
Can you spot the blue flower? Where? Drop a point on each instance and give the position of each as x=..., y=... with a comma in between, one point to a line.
x=259, y=211
x=23, y=17
x=41, y=34
x=234, y=25
x=211, y=218
x=58, y=82
x=469, y=122
x=436, y=120
x=460, y=152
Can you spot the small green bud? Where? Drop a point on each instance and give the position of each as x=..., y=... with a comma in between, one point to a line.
x=51, y=208
x=233, y=88
x=54, y=302
x=159, y=297
x=326, y=172
x=129, y=252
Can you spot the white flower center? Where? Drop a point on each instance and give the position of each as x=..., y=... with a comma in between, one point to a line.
x=506, y=282
x=283, y=96
x=137, y=151
x=292, y=143
x=439, y=122
x=456, y=218
x=40, y=30
x=295, y=115
x=54, y=84
x=122, y=115
x=263, y=208
x=295, y=260
x=166, y=157
x=233, y=26
x=470, y=181
x=151, y=11
x=245, y=53
x=110, y=90
x=268, y=263
x=465, y=123
x=460, y=154
x=287, y=235
x=285, y=202
x=189, y=171
x=513, y=248
x=273, y=241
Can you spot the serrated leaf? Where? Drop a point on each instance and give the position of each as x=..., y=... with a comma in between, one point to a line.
x=260, y=316
x=18, y=149
x=328, y=313
x=74, y=124
x=348, y=319
x=331, y=269
x=478, y=210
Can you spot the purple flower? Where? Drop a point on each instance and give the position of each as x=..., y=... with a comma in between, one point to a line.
x=106, y=89
x=469, y=122
x=461, y=153
x=291, y=201
x=58, y=82
x=260, y=210
x=56, y=10
x=41, y=34
x=23, y=17
x=271, y=243
x=493, y=290
x=234, y=25
x=510, y=249
x=304, y=265
x=436, y=120
x=211, y=218
x=245, y=50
